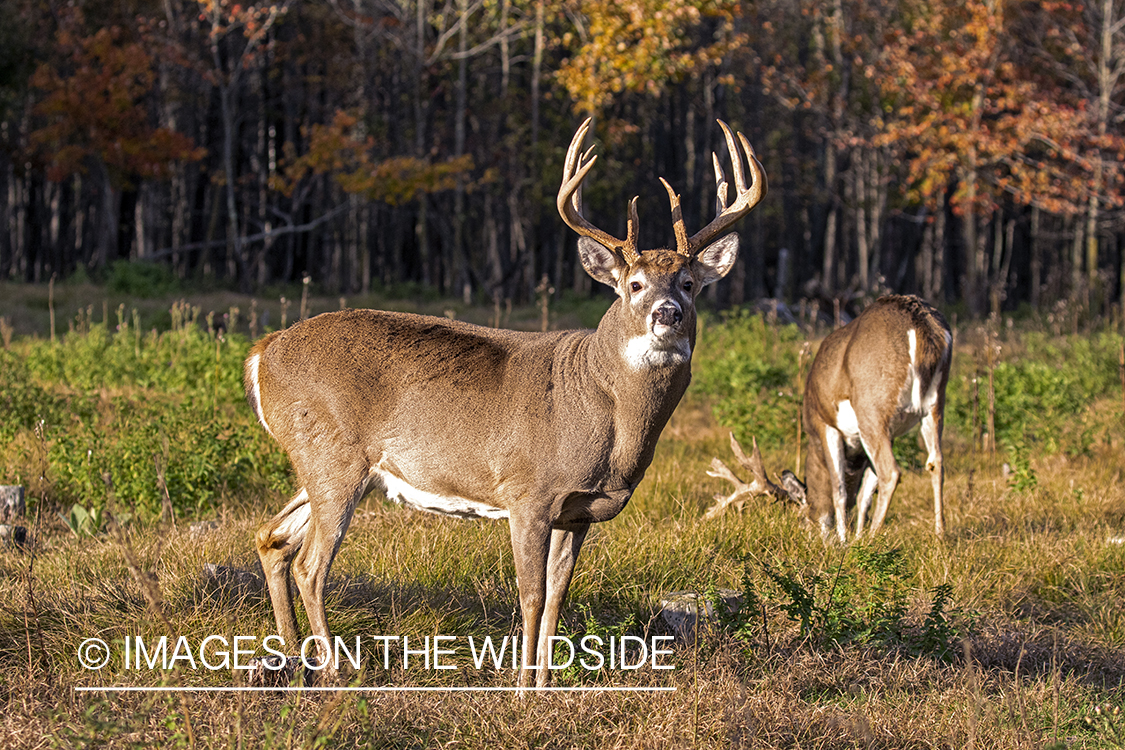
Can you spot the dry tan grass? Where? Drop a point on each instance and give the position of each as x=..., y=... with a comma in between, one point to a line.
x=1046, y=652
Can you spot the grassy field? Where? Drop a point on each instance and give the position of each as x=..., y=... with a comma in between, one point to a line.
x=1008, y=633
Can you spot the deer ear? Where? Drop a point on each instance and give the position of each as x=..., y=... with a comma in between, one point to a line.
x=716, y=260
x=599, y=261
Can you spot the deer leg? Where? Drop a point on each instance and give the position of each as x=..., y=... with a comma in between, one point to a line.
x=531, y=547
x=886, y=469
x=834, y=449
x=866, y=490
x=931, y=436
x=565, y=545
x=331, y=513
x=278, y=541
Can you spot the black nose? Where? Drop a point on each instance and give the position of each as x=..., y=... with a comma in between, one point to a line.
x=667, y=315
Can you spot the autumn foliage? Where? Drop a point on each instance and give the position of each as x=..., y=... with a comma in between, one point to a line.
x=967, y=150
x=969, y=119
x=93, y=112
x=640, y=46
x=339, y=150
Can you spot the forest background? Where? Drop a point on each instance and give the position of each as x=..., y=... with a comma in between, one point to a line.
x=970, y=152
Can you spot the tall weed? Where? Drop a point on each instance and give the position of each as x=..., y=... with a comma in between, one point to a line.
x=862, y=599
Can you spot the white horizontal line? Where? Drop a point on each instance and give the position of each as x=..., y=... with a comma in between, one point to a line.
x=387, y=689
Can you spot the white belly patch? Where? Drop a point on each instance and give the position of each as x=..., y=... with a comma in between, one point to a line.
x=416, y=499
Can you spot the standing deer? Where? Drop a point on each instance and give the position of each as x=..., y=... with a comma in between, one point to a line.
x=872, y=381
x=552, y=431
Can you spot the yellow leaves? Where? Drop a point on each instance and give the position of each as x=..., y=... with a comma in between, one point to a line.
x=640, y=45
x=401, y=179
x=337, y=149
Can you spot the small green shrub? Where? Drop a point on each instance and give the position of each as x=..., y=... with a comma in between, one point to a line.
x=23, y=402
x=861, y=600
x=591, y=625
x=142, y=279
x=1042, y=396
x=85, y=522
x=1022, y=477
x=749, y=370
x=744, y=619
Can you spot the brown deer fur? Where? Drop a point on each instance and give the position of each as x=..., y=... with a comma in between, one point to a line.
x=552, y=431
x=873, y=380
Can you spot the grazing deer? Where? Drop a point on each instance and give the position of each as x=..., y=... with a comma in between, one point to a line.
x=871, y=381
x=552, y=431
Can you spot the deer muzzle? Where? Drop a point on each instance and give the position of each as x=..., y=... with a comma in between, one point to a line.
x=668, y=315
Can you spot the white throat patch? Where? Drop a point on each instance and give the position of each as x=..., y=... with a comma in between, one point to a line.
x=649, y=351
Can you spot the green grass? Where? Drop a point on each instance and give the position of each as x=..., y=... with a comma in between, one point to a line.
x=1034, y=572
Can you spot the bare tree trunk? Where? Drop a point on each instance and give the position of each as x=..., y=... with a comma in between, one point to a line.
x=536, y=72
x=458, y=270
x=420, y=229
x=1108, y=74
x=109, y=216
x=234, y=230
x=829, y=264
x=938, y=292
x=925, y=269
x=876, y=207
x=974, y=253
x=505, y=53
x=6, y=220
x=1036, y=258
x=262, y=166
x=859, y=198
x=1076, y=278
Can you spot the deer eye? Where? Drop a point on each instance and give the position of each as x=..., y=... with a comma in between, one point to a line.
x=635, y=286
x=688, y=285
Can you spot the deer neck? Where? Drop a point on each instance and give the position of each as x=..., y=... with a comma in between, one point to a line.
x=644, y=391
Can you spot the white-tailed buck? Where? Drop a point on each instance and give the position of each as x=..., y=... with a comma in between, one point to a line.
x=871, y=381
x=552, y=431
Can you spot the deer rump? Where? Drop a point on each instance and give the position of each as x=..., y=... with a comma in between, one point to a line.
x=871, y=381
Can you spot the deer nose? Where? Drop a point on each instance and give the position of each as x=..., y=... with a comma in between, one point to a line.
x=667, y=315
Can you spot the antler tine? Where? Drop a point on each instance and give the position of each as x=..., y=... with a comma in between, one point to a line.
x=569, y=200
x=677, y=219
x=720, y=185
x=739, y=454
x=735, y=158
x=747, y=196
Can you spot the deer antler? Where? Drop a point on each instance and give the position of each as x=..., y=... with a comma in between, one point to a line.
x=743, y=491
x=569, y=200
x=748, y=196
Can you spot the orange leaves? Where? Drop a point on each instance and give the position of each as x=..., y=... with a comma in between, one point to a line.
x=963, y=112
x=337, y=149
x=93, y=108
x=402, y=178
x=640, y=45
x=253, y=21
